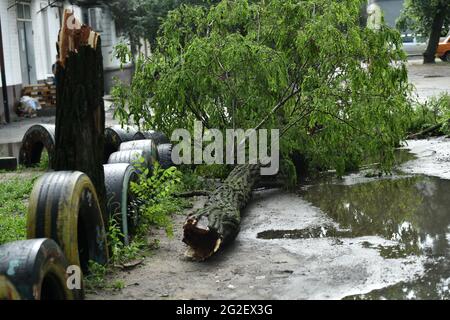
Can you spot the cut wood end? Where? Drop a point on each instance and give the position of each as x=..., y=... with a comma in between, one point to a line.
x=203, y=242
x=73, y=35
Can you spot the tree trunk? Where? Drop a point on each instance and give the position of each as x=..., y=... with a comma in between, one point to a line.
x=429, y=55
x=217, y=224
x=80, y=112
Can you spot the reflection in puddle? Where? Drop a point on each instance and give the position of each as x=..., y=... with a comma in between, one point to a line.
x=317, y=232
x=414, y=211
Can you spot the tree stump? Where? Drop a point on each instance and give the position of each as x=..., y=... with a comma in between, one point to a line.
x=80, y=112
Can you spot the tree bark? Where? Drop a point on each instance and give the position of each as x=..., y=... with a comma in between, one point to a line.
x=429, y=55
x=80, y=112
x=209, y=229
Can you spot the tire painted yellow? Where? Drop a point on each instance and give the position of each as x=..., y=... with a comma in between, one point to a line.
x=64, y=207
x=7, y=290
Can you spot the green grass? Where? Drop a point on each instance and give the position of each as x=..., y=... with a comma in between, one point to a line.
x=44, y=163
x=13, y=208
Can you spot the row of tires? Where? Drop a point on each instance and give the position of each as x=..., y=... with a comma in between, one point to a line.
x=42, y=136
x=65, y=223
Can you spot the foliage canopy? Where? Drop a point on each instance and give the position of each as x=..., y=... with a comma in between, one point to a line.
x=141, y=19
x=338, y=91
x=418, y=15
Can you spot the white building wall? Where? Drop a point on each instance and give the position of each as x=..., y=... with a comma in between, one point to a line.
x=10, y=44
x=46, y=26
x=109, y=40
x=40, y=50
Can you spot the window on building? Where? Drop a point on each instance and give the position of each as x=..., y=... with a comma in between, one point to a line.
x=23, y=11
x=95, y=16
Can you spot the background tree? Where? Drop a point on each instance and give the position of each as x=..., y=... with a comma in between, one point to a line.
x=141, y=19
x=429, y=17
x=337, y=90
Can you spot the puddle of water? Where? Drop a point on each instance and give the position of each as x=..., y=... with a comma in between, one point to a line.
x=413, y=211
x=315, y=232
x=10, y=149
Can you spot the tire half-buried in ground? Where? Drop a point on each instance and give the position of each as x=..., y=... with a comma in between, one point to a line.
x=148, y=146
x=38, y=270
x=137, y=158
x=157, y=137
x=120, y=200
x=64, y=207
x=34, y=141
x=8, y=163
x=165, y=155
x=116, y=135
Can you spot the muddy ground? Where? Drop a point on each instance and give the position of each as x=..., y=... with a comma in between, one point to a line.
x=251, y=268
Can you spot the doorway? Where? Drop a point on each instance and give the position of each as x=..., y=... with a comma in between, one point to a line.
x=26, y=44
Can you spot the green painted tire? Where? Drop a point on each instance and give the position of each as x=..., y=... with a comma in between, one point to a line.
x=120, y=201
x=37, y=270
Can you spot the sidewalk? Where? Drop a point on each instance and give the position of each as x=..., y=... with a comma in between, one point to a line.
x=429, y=80
x=14, y=132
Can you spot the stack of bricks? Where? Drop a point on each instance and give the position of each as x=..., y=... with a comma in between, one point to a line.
x=44, y=93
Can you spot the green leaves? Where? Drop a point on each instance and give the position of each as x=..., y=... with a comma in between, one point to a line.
x=229, y=65
x=155, y=191
x=418, y=15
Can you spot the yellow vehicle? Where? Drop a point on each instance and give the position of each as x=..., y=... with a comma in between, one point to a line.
x=443, y=50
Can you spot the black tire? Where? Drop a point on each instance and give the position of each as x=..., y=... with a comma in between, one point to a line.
x=38, y=270
x=157, y=137
x=34, y=141
x=132, y=157
x=139, y=136
x=165, y=155
x=7, y=290
x=8, y=163
x=115, y=136
x=147, y=145
x=120, y=200
x=64, y=207
x=446, y=57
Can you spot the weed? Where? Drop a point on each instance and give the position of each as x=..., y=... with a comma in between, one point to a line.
x=155, y=192
x=96, y=279
x=44, y=164
x=432, y=112
x=118, y=285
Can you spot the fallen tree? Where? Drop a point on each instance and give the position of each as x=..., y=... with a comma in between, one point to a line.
x=238, y=62
x=428, y=131
x=218, y=223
